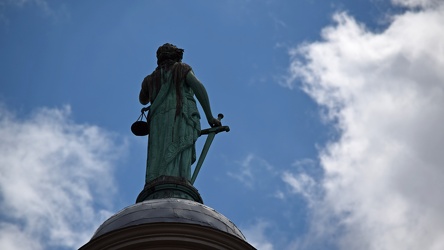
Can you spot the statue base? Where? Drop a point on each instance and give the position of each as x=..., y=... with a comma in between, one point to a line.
x=169, y=187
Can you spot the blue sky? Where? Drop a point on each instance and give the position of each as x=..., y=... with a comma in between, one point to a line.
x=335, y=110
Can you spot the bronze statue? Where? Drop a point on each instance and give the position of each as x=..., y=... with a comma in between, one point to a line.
x=173, y=118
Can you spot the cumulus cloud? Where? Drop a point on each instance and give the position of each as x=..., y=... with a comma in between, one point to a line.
x=256, y=235
x=384, y=92
x=55, y=180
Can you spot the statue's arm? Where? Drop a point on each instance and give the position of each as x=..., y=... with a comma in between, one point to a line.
x=144, y=96
x=202, y=97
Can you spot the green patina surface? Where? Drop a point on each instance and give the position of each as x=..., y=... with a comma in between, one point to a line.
x=174, y=120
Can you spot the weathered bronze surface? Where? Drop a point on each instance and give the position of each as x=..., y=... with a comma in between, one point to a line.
x=173, y=121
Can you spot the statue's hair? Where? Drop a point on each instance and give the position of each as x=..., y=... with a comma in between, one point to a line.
x=169, y=57
x=168, y=54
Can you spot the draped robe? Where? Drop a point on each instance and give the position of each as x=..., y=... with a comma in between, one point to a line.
x=174, y=127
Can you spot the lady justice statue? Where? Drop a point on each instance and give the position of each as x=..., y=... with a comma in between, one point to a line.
x=173, y=118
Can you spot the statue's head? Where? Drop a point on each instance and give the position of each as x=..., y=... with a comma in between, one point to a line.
x=168, y=52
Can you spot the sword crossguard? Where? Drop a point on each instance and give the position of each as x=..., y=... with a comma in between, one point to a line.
x=214, y=130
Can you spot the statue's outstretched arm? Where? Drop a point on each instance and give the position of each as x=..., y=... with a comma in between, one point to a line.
x=202, y=97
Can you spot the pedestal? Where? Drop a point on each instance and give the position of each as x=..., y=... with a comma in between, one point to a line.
x=169, y=187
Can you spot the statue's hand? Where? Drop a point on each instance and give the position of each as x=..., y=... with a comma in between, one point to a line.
x=214, y=122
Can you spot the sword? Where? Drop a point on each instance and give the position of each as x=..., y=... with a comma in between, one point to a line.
x=211, y=132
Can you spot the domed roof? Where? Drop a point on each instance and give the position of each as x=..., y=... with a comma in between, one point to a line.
x=168, y=211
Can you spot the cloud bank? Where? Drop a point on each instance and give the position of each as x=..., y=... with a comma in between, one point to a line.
x=384, y=92
x=55, y=177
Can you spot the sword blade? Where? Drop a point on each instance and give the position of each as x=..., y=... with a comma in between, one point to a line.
x=203, y=155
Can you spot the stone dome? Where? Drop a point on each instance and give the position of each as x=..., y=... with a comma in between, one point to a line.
x=169, y=210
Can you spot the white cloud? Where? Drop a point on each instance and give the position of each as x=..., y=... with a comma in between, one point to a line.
x=55, y=178
x=301, y=184
x=12, y=237
x=303, y=163
x=417, y=3
x=385, y=93
x=256, y=235
x=251, y=167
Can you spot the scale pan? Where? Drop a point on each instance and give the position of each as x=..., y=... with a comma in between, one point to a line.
x=140, y=128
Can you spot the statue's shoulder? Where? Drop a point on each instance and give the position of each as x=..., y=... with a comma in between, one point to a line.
x=152, y=73
x=184, y=66
x=182, y=69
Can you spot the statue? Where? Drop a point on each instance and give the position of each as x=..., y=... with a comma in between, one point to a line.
x=173, y=119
